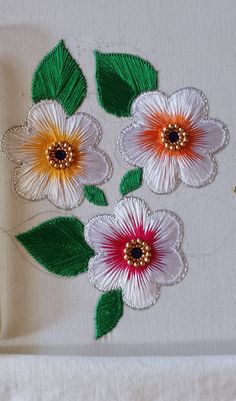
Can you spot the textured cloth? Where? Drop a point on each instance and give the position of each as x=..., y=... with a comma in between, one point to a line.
x=43, y=378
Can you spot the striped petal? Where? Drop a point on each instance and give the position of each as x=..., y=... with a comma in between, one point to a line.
x=197, y=171
x=63, y=191
x=131, y=214
x=132, y=148
x=140, y=292
x=170, y=269
x=83, y=129
x=188, y=102
x=212, y=136
x=147, y=105
x=95, y=167
x=161, y=173
x=13, y=145
x=47, y=118
x=100, y=231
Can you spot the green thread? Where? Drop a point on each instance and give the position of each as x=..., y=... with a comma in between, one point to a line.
x=59, y=77
x=59, y=246
x=109, y=310
x=95, y=195
x=131, y=181
x=120, y=79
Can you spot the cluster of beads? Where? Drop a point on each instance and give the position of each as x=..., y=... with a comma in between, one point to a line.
x=137, y=253
x=174, y=137
x=60, y=155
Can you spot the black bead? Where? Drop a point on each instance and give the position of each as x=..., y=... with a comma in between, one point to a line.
x=136, y=253
x=60, y=154
x=173, y=136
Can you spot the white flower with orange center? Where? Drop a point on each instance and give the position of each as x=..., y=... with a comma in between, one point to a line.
x=173, y=139
x=136, y=251
x=58, y=155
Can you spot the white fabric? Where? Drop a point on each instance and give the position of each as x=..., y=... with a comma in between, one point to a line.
x=43, y=378
x=191, y=43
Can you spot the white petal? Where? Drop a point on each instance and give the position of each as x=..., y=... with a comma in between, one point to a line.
x=214, y=135
x=13, y=145
x=28, y=183
x=139, y=292
x=132, y=148
x=148, y=104
x=96, y=167
x=104, y=276
x=189, y=102
x=131, y=215
x=46, y=117
x=83, y=128
x=197, y=172
x=171, y=269
x=100, y=230
x=65, y=193
x=168, y=228
x=161, y=173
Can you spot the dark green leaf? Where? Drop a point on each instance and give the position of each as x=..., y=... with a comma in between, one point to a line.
x=131, y=181
x=120, y=79
x=59, y=246
x=95, y=195
x=109, y=310
x=59, y=77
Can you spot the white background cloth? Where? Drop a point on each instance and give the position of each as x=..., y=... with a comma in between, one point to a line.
x=42, y=378
x=191, y=43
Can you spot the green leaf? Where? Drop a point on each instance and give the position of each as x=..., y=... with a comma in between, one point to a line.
x=59, y=77
x=131, y=181
x=109, y=310
x=59, y=246
x=120, y=79
x=95, y=195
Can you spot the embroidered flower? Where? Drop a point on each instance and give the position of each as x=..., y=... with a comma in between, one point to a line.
x=173, y=139
x=136, y=251
x=58, y=155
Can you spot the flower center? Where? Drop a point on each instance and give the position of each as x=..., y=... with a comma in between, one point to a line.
x=60, y=155
x=137, y=253
x=174, y=137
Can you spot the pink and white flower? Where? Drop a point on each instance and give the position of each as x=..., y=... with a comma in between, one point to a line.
x=136, y=251
x=173, y=139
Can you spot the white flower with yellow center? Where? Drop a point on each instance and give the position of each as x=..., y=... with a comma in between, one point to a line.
x=58, y=155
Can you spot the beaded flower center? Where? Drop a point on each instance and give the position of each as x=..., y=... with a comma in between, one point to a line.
x=137, y=253
x=60, y=155
x=174, y=137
